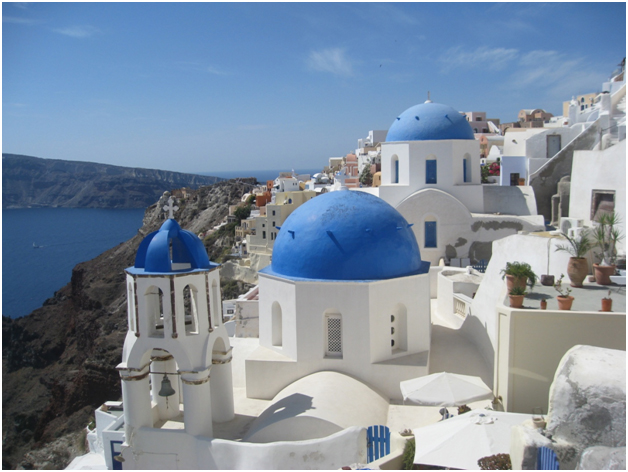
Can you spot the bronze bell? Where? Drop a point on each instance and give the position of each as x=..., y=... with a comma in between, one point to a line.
x=166, y=388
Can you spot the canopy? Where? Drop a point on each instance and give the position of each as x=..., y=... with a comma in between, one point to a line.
x=445, y=389
x=459, y=442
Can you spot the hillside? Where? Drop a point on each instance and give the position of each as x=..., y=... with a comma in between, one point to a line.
x=34, y=182
x=59, y=362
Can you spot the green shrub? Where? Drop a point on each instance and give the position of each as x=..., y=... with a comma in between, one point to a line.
x=408, y=454
x=520, y=269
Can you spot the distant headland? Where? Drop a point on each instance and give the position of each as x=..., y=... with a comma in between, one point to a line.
x=35, y=182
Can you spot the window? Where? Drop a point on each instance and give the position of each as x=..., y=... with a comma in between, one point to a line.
x=273, y=215
x=430, y=234
x=130, y=298
x=217, y=304
x=602, y=201
x=395, y=170
x=277, y=325
x=479, y=118
x=190, y=309
x=333, y=331
x=466, y=169
x=263, y=234
x=430, y=171
x=154, y=300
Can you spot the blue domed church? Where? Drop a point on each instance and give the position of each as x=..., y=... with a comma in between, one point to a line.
x=431, y=174
x=347, y=291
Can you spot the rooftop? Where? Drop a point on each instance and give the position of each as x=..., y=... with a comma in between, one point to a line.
x=586, y=298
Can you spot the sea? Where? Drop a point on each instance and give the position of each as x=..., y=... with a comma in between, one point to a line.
x=41, y=246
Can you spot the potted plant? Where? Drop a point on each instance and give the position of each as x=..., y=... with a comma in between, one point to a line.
x=607, y=303
x=564, y=299
x=544, y=304
x=516, y=295
x=607, y=236
x=518, y=274
x=578, y=267
x=547, y=279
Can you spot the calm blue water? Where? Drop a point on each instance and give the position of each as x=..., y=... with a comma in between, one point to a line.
x=66, y=236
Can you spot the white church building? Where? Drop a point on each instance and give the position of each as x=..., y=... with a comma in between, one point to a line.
x=347, y=292
x=431, y=175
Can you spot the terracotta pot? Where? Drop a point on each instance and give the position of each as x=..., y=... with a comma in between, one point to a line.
x=512, y=282
x=516, y=301
x=564, y=303
x=547, y=280
x=607, y=304
x=603, y=273
x=543, y=304
x=577, y=270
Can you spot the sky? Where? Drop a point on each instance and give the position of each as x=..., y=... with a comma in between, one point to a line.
x=201, y=87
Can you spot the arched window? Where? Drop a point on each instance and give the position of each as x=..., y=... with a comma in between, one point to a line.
x=466, y=169
x=430, y=233
x=394, y=169
x=430, y=170
x=130, y=304
x=190, y=309
x=154, y=301
x=217, y=304
x=277, y=325
x=333, y=334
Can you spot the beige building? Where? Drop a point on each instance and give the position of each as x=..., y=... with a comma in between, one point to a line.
x=584, y=101
x=266, y=225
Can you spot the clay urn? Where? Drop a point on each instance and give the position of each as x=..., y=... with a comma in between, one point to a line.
x=577, y=270
x=603, y=273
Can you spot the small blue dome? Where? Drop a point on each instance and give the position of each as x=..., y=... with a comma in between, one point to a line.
x=346, y=235
x=171, y=249
x=428, y=122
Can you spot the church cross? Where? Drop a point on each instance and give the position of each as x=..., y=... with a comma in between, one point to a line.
x=170, y=208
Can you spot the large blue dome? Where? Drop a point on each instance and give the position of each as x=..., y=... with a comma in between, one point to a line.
x=346, y=235
x=428, y=122
x=171, y=249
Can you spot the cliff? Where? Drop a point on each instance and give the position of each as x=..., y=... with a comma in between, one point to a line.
x=59, y=362
x=34, y=182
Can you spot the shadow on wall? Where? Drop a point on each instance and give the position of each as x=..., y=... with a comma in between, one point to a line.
x=474, y=330
x=289, y=407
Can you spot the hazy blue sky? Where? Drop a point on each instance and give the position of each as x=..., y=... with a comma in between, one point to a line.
x=198, y=87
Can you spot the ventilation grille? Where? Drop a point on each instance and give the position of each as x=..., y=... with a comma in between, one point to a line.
x=334, y=336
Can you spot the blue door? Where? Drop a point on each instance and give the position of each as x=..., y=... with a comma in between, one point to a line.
x=546, y=459
x=115, y=451
x=430, y=234
x=430, y=171
x=378, y=442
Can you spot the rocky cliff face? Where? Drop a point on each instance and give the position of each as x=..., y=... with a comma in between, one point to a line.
x=34, y=182
x=59, y=362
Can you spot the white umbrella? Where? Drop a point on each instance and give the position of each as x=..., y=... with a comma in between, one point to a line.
x=445, y=389
x=460, y=441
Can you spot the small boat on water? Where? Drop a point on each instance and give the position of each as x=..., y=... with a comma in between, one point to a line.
x=35, y=246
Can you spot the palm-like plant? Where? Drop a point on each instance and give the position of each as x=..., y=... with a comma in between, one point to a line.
x=607, y=236
x=520, y=269
x=578, y=247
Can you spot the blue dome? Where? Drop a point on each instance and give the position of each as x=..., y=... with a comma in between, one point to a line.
x=346, y=235
x=428, y=122
x=188, y=252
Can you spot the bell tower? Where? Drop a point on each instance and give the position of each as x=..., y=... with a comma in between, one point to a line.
x=176, y=358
